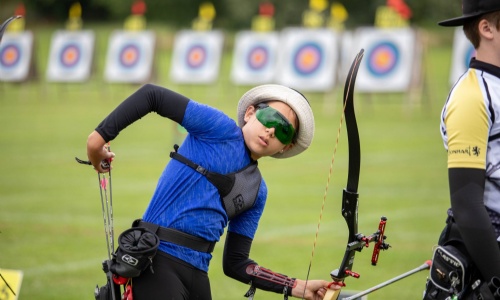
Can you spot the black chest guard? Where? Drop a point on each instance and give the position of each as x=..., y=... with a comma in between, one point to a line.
x=238, y=190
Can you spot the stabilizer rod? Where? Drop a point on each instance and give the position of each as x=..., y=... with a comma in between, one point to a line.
x=424, y=266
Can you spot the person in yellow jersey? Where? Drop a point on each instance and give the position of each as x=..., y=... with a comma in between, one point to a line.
x=470, y=128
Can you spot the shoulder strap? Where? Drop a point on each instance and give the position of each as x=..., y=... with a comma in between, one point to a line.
x=238, y=191
x=223, y=183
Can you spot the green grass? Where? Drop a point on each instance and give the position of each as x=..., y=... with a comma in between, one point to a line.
x=51, y=225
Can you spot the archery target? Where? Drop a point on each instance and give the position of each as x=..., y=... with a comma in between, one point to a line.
x=196, y=56
x=383, y=59
x=15, y=56
x=388, y=59
x=308, y=59
x=463, y=52
x=70, y=57
x=254, y=57
x=130, y=56
x=10, y=55
x=257, y=57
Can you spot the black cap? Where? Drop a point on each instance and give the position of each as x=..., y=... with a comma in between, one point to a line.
x=472, y=9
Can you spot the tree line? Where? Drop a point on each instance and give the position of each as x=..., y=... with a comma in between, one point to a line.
x=230, y=14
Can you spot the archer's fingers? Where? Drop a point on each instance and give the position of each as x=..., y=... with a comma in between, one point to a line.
x=105, y=165
x=321, y=293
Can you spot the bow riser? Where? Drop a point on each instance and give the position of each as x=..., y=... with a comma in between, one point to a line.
x=350, y=213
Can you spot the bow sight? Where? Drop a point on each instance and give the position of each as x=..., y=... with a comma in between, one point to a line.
x=361, y=241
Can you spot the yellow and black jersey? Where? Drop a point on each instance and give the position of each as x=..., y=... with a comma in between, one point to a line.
x=470, y=127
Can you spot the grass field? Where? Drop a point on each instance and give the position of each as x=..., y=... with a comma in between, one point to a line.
x=51, y=225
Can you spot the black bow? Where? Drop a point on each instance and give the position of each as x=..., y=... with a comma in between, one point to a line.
x=356, y=241
x=350, y=193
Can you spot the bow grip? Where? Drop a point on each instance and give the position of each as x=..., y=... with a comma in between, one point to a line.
x=331, y=294
x=350, y=212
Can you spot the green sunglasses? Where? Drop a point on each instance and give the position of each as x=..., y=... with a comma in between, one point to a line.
x=271, y=118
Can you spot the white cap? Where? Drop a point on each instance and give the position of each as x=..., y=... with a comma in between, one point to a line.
x=294, y=99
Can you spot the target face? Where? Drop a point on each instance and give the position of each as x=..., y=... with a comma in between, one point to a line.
x=70, y=57
x=257, y=57
x=382, y=59
x=389, y=59
x=16, y=56
x=130, y=56
x=254, y=57
x=308, y=59
x=10, y=55
x=196, y=56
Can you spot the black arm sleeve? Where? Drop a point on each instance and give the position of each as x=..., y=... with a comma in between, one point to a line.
x=148, y=98
x=467, y=192
x=236, y=261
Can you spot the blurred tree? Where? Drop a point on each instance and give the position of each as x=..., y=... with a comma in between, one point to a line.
x=231, y=14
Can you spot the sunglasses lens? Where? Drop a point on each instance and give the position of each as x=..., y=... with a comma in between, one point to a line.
x=271, y=118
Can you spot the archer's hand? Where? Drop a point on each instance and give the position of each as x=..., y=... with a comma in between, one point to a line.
x=97, y=152
x=315, y=290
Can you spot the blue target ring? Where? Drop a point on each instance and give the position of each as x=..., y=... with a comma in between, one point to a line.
x=129, y=56
x=383, y=59
x=70, y=55
x=469, y=54
x=196, y=56
x=308, y=59
x=257, y=58
x=10, y=55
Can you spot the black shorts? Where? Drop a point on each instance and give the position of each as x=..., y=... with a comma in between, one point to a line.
x=172, y=279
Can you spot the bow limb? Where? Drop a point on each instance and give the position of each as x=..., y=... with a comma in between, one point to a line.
x=4, y=25
x=350, y=193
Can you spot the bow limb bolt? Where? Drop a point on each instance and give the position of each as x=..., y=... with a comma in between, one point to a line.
x=356, y=241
